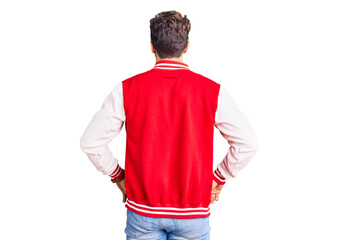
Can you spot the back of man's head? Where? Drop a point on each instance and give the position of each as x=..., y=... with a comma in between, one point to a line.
x=169, y=33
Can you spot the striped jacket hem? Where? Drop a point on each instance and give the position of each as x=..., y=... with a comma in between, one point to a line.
x=168, y=212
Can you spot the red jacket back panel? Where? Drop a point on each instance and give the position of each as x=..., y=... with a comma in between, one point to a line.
x=170, y=114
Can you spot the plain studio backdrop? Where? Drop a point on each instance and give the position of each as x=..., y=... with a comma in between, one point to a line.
x=291, y=66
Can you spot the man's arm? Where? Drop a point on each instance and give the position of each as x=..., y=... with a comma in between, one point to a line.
x=234, y=127
x=105, y=125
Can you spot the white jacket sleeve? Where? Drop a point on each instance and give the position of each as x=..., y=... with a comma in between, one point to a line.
x=105, y=125
x=235, y=128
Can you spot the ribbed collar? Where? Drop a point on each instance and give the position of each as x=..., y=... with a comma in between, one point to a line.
x=170, y=65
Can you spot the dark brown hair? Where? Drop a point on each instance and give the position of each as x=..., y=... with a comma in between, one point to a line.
x=169, y=33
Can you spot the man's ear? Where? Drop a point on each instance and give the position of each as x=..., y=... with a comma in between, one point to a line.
x=185, y=50
x=152, y=48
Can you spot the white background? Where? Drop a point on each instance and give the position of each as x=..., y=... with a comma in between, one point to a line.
x=291, y=66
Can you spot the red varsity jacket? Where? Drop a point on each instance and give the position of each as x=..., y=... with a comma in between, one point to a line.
x=169, y=113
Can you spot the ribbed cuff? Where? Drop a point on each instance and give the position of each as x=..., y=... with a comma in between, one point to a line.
x=217, y=176
x=117, y=173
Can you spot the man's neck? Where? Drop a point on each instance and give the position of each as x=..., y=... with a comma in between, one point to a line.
x=179, y=59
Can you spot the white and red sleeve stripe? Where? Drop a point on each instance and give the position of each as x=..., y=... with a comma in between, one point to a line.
x=117, y=173
x=217, y=176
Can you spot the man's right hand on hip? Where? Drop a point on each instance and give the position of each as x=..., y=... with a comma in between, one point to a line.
x=216, y=189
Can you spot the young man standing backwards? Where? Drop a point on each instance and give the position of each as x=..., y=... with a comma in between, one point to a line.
x=169, y=114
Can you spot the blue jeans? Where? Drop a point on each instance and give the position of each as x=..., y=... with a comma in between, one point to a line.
x=143, y=227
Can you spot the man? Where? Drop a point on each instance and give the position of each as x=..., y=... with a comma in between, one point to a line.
x=169, y=114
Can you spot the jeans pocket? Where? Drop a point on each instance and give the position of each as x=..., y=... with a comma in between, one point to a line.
x=135, y=224
x=190, y=228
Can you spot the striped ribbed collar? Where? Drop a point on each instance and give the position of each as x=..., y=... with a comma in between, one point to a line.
x=170, y=65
